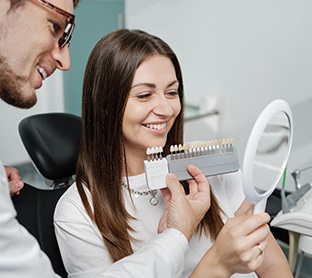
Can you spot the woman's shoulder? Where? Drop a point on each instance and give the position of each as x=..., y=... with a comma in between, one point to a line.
x=71, y=195
x=69, y=204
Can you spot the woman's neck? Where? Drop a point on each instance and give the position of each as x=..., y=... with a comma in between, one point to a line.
x=135, y=163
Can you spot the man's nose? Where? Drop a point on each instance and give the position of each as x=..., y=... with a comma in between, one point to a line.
x=62, y=57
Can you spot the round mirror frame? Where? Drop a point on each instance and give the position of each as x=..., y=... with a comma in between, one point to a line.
x=262, y=121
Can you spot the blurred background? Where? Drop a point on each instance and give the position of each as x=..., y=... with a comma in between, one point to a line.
x=236, y=57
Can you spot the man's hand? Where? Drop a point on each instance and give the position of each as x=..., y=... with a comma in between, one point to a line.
x=184, y=212
x=15, y=181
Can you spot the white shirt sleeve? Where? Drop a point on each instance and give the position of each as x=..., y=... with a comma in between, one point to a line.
x=163, y=256
x=20, y=254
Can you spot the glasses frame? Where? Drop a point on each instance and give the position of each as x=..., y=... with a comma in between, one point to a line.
x=69, y=29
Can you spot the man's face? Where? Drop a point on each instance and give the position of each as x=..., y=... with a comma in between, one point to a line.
x=29, y=48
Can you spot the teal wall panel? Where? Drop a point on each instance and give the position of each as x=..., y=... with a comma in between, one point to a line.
x=94, y=19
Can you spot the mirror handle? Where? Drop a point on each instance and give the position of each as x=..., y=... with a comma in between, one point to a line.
x=260, y=206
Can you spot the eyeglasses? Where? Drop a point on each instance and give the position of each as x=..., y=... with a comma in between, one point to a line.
x=66, y=37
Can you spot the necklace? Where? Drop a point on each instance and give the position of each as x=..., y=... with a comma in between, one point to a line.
x=153, y=200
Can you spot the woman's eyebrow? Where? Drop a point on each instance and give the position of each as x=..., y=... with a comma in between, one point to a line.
x=152, y=85
x=172, y=83
x=145, y=84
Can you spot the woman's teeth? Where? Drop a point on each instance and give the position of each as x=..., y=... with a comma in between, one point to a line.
x=156, y=126
x=42, y=72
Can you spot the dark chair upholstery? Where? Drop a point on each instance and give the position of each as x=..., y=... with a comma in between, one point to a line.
x=35, y=208
x=52, y=142
x=274, y=206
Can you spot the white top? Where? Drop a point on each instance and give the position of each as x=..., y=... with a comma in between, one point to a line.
x=82, y=247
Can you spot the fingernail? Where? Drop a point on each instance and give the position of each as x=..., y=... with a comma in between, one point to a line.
x=170, y=176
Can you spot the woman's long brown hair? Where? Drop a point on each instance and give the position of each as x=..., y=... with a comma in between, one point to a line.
x=107, y=81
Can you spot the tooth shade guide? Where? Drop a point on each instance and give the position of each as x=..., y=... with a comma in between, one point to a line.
x=154, y=153
x=213, y=157
x=192, y=149
x=160, y=152
x=148, y=153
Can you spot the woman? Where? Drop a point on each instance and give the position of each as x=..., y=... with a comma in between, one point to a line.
x=132, y=100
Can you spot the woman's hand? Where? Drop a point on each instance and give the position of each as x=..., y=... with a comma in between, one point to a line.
x=239, y=248
x=184, y=212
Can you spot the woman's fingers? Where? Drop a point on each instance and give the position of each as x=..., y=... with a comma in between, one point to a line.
x=199, y=183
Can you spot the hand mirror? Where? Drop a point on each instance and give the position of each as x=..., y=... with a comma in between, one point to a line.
x=267, y=152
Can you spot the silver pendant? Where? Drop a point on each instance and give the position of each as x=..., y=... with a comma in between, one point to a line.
x=154, y=201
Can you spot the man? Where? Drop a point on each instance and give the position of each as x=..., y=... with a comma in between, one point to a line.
x=34, y=64
x=34, y=38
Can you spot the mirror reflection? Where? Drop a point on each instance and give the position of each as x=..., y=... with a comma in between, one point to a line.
x=271, y=153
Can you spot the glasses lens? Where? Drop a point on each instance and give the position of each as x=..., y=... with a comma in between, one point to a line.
x=67, y=35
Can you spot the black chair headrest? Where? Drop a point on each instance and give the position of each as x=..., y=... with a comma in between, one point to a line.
x=52, y=142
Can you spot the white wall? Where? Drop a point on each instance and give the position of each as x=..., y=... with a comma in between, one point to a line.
x=50, y=99
x=246, y=53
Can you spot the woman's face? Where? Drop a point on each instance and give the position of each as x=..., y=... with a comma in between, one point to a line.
x=152, y=106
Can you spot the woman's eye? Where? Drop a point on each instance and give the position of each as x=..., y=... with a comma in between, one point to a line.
x=172, y=94
x=144, y=96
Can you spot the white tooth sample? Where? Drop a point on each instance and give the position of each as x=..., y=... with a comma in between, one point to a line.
x=171, y=149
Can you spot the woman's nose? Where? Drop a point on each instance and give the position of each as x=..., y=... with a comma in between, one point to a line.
x=163, y=107
x=62, y=57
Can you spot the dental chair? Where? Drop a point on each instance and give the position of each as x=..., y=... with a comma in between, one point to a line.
x=52, y=142
x=274, y=206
